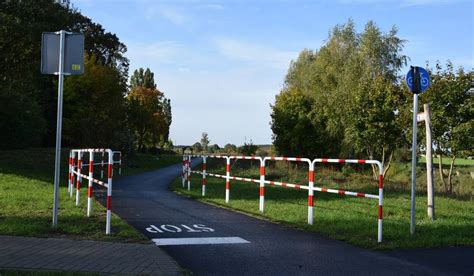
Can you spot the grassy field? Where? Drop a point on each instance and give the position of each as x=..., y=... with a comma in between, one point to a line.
x=447, y=161
x=26, y=194
x=345, y=218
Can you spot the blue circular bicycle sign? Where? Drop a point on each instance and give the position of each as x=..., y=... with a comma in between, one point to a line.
x=424, y=80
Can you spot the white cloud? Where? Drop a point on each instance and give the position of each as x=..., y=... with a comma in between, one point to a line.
x=173, y=15
x=255, y=53
x=164, y=52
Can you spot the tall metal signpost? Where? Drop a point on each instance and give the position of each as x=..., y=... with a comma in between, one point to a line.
x=418, y=80
x=62, y=54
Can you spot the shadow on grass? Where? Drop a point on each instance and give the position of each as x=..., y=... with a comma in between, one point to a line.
x=35, y=163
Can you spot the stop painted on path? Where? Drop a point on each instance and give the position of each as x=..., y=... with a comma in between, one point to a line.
x=179, y=230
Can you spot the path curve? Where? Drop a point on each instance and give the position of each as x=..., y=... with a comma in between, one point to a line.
x=146, y=202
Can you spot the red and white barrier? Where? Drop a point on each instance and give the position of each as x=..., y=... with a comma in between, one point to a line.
x=342, y=192
x=310, y=187
x=77, y=170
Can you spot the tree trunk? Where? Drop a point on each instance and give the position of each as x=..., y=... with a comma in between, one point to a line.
x=374, y=167
x=387, y=166
x=441, y=174
x=450, y=183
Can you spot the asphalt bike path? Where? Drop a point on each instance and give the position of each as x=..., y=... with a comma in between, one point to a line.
x=210, y=240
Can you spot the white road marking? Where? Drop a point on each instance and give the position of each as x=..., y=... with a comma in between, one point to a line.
x=193, y=241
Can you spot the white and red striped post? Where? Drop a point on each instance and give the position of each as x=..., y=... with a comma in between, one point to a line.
x=183, y=175
x=79, y=177
x=189, y=172
x=69, y=172
x=109, y=190
x=262, y=185
x=204, y=180
x=71, y=176
x=380, y=220
x=311, y=193
x=227, y=179
x=102, y=163
x=89, y=188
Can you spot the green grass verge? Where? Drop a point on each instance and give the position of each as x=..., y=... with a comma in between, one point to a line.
x=26, y=197
x=447, y=161
x=349, y=219
x=140, y=163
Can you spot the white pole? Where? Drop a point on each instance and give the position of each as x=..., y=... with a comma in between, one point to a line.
x=69, y=173
x=262, y=185
x=310, y=193
x=429, y=164
x=57, y=162
x=109, y=191
x=189, y=172
x=183, y=178
x=79, y=177
x=413, y=165
x=227, y=180
x=204, y=180
x=89, y=186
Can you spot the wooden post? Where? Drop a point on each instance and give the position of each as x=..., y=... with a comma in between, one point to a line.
x=429, y=164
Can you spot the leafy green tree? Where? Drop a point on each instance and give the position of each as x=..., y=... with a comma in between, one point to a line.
x=343, y=99
x=248, y=149
x=99, y=113
x=145, y=116
x=143, y=78
x=294, y=131
x=205, y=141
x=167, y=116
x=30, y=116
x=214, y=148
x=452, y=116
x=230, y=148
x=197, y=147
x=149, y=112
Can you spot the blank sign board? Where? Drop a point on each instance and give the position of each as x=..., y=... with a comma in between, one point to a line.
x=73, y=53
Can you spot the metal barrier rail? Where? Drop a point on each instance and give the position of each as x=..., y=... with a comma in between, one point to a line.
x=76, y=169
x=310, y=187
x=380, y=195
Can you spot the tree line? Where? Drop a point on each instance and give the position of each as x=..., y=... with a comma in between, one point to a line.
x=347, y=99
x=100, y=108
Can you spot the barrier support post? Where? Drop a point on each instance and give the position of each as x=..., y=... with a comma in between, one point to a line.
x=310, y=193
x=227, y=179
x=189, y=172
x=262, y=185
x=380, y=220
x=204, y=180
x=89, y=188
x=71, y=176
x=79, y=177
x=109, y=191
x=69, y=173
x=183, y=175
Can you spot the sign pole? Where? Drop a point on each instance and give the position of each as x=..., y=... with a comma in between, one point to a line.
x=57, y=162
x=418, y=80
x=413, y=164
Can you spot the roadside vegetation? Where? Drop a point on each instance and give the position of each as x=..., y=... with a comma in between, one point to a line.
x=345, y=218
x=26, y=196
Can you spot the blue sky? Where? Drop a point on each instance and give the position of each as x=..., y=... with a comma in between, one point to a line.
x=222, y=62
